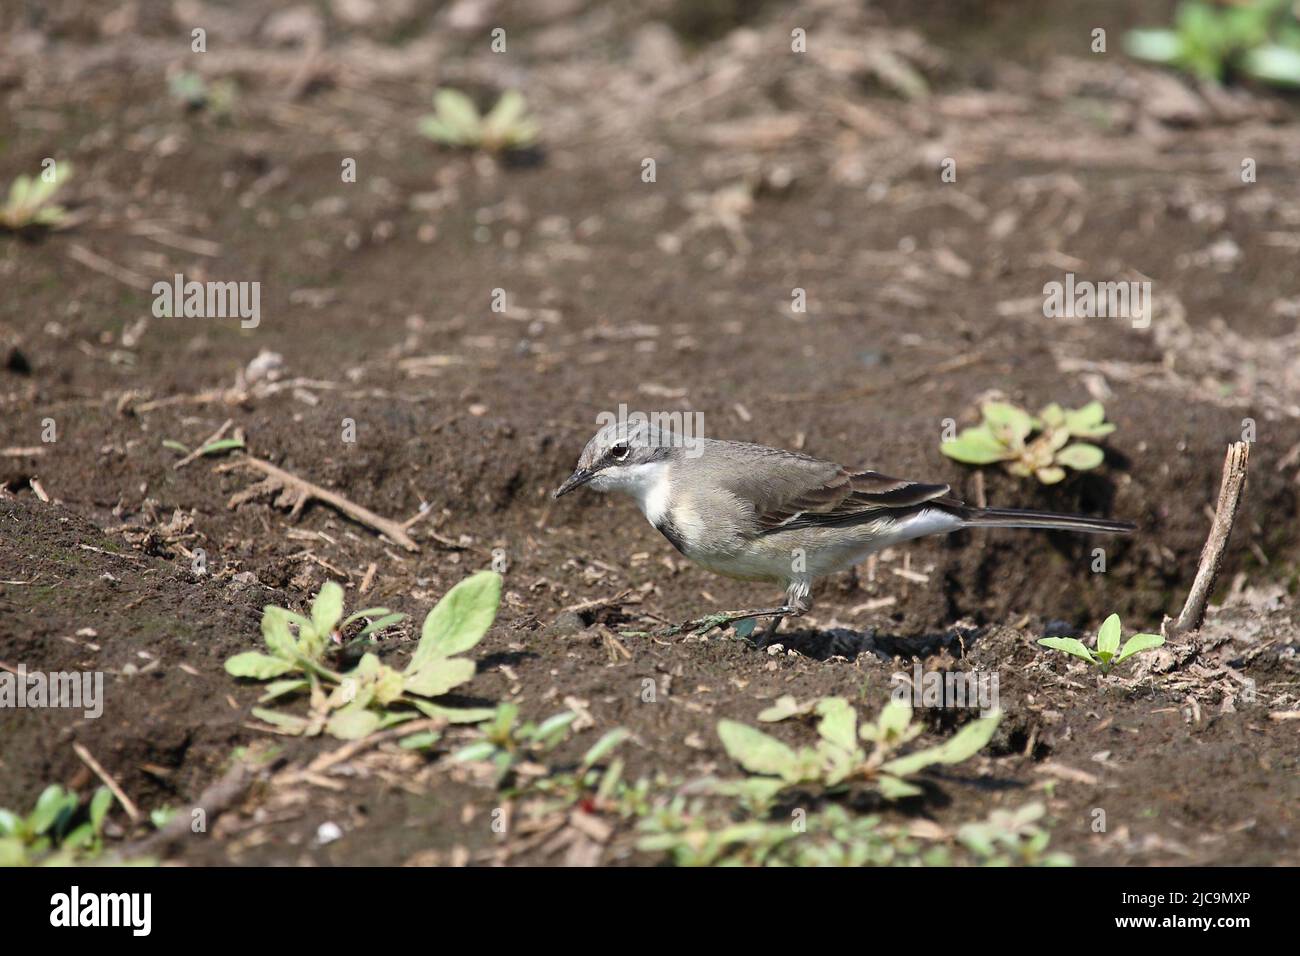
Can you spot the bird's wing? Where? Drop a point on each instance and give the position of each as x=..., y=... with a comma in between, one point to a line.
x=803, y=493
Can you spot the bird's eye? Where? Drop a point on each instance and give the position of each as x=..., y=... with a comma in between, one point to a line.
x=619, y=452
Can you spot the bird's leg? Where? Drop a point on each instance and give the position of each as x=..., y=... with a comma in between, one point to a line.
x=726, y=618
x=798, y=602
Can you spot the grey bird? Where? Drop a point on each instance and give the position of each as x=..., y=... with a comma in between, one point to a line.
x=762, y=514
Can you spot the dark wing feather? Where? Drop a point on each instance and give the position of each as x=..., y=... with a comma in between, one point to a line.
x=847, y=497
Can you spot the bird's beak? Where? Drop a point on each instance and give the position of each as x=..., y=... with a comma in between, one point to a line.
x=575, y=480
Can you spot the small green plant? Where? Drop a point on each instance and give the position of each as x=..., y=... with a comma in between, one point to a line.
x=1012, y=837
x=29, y=204
x=195, y=93
x=506, y=742
x=456, y=121
x=1108, y=652
x=1257, y=38
x=692, y=836
x=212, y=448
x=50, y=834
x=371, y=696
x=838, y=757
x=1004, y=435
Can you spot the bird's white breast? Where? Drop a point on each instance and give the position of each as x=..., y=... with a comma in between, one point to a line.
x=648, y=485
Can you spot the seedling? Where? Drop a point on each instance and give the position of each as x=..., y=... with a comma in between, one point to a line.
x=1004, y=435
x=195, y=94
x=506, y=743
x=48, y=835
x=1257, y=38
x=353, y=704
x=1012, y=837
x=212, y=448
x=1108, y=652
x=29, y=204
x=456, y=121
x=838, y=757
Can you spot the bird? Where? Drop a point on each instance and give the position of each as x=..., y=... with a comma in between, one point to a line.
x=756, y=513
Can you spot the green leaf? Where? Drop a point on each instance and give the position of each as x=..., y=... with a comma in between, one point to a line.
x=756, y=751
x=279, y=688
x=1156, y=46
x=976, y=446
x=1053, y=415
x=391, y=718
x=1080, y=456
x=891, y=788
x=18, y=190
x=421, y=740
x=1093, y=413
x=387, y=621
x=41, y=190
x=371, y=612
x=286, y=722
x=216, y=447
x=1051, y=475
x=1273, y=64
x=327, y=608
x=509, y=109
x=1108, y=635
x=1070, y=646
x=438, y=131
x=760, y=790
x=964, y=744
x=1007, y=421
x=894, y=718
x=439, y=676
x=160, y=816
x=79, y=839
x=459, y=620
x=839, y=722
x=99, y=805
x=258, y=666
x=10, y=823
x=458, y=113
x=52, y=809
x=783, y=707
x=1138, y=643
x=605, y=745
x=175, y=446
x=552, y=729
x=1088, y=421
x=475, y=752
x=353, y=723
x=275, y=631
x=454, y=715
x=13, y=852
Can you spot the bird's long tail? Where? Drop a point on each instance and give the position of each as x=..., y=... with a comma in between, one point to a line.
x=1015, y=518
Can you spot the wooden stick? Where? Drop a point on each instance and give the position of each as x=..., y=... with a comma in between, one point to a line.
x=107, y=267
x=301, y=490
x=214, y=437
x=213, y=801
x=131, y=810
x=1234, y=481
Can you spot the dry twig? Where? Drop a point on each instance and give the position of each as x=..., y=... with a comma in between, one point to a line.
x=128, y=805
x=1234, y=481
x=295, y=492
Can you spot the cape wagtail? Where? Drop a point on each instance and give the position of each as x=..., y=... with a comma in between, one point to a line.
x=762, y=514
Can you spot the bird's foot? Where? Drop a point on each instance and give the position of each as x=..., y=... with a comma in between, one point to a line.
x=710, y=622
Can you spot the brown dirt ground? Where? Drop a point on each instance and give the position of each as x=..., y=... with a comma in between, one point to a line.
x=774, y=172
